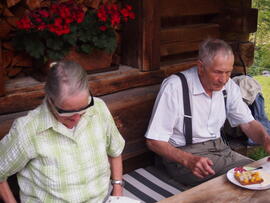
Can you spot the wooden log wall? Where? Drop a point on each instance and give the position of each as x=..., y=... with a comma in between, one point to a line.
x=163, y=39
x=180, y=26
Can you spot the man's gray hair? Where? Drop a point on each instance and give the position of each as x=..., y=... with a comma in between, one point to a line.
x=65, y=78
x=211, y=47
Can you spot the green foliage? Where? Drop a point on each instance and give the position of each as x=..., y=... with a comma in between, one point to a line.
x=50, y=32
x=90, y=36
x=261, y=38
x=257, y=153
x=265, y=83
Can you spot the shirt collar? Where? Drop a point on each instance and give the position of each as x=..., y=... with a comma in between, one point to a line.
x=197, y=87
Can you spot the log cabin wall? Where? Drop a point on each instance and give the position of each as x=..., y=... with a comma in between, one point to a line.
x=163, y=39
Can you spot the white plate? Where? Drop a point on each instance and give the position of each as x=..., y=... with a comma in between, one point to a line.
x=261, y=186
x=122, y=199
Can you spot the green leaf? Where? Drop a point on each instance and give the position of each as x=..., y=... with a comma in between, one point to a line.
x=86, y=48
x=54, y=43
x=35, y=48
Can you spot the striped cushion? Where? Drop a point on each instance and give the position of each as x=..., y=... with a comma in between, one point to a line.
x=146, y=187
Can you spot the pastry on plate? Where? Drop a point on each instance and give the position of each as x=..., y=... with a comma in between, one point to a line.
x=245, y=177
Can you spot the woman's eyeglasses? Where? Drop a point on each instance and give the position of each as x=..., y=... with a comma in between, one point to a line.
x=68, y=113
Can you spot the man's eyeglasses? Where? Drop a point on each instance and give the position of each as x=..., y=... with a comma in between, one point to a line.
x=67, y=113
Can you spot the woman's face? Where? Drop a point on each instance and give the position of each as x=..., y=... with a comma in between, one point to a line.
x=75, y=104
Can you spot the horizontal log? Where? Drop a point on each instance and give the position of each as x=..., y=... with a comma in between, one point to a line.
x=182, y=39
x=21, y=98
x=239, y=3
x=189, y=33
x=238, y=20
x=126, y=107
x=175, y=8
x=174, y=68
x=178, y=48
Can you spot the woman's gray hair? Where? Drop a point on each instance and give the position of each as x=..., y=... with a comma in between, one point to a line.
x=65, y=78
x=210, y=48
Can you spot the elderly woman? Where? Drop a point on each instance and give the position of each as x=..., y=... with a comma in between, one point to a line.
x=67, y=148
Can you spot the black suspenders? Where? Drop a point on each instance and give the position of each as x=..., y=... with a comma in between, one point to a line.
x=187, y=111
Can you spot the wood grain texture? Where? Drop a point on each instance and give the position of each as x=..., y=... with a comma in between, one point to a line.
x=221, y=190
x=21, y=98
x=174, y=8
x=131, y=110
x=188, y=33
x=141, y=38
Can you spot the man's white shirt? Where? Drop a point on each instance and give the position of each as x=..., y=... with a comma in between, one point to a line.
x=208, y=113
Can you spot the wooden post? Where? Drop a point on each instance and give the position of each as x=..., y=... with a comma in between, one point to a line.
x=141, y=38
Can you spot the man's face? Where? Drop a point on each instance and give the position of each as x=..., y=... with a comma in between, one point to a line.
x=213, y=77
x=73, y=103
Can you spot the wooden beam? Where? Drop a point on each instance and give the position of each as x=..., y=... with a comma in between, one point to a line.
x=126, y=106
x=21, y=98
x=177, y=67
x=197, y=32
x=238, y=20
x=141, y=39
x=183, y=39
x=175, y=8
x=178, y=47
x=238, y=3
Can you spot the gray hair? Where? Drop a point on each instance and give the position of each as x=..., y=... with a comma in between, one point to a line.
x=65, y=78
x=212, y=47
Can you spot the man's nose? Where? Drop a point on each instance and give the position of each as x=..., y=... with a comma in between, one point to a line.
x=223, y=78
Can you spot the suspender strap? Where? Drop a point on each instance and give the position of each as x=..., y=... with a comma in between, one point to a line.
x=222, y=130
x=225, y=99
x=187, y=111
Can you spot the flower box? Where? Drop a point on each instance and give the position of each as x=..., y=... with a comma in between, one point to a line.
x=50, y=33
x=97, y=61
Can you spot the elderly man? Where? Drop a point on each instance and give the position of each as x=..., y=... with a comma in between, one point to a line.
x=66, y=149
x=203, y=154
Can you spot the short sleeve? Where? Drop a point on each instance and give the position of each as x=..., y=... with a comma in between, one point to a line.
x=238, y=111
x=13, y=154
x=165, y=111
x=114, y=141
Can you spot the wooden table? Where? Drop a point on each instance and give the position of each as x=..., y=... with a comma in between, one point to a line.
x=220, y=189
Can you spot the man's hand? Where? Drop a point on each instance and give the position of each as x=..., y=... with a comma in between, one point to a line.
x=117, y=190
x=200, y=166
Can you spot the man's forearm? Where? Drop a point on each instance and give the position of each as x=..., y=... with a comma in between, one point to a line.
x=5, y=193
x=168, y=151
x=255, y=131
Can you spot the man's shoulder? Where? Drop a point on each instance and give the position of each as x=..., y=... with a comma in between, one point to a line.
x=231, y=86
x=174, y=80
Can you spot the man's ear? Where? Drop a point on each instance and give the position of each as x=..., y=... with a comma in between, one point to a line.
x=200, y=66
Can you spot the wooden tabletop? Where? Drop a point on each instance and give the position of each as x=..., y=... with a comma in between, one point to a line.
x=220, y=189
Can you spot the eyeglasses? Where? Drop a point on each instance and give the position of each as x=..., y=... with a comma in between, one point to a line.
x=68, y=113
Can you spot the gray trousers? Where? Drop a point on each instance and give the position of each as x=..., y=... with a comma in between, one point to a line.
x=216, y=150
